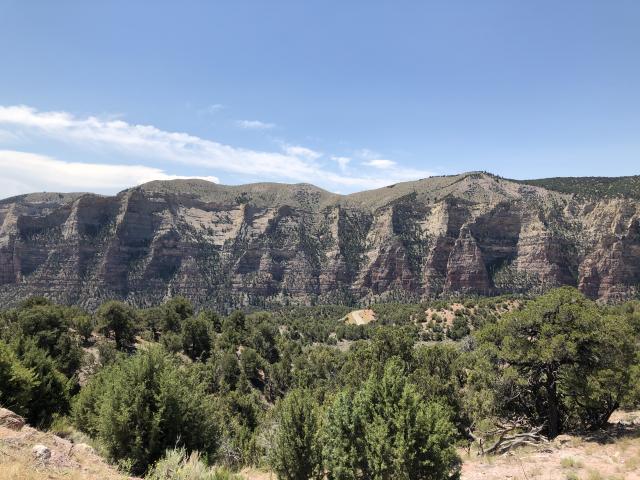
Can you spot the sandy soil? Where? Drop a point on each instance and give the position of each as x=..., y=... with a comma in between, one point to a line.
x=360, y=317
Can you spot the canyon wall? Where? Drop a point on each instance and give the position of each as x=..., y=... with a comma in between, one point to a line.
x=257, y=244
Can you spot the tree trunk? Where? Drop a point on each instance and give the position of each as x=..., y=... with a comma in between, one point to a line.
x=554, y=406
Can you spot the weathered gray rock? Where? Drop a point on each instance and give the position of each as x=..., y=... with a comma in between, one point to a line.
x=41, y=453
x=229, y=246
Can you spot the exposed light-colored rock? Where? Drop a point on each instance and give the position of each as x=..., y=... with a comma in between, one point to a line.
x=41, y=453
x=229, y=246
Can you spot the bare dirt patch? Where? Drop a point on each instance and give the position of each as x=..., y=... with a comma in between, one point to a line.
x=360, y=317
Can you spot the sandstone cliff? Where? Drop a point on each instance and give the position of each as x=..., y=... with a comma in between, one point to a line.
x=253, y=244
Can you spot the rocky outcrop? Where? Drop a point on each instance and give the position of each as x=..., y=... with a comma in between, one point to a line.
x=271, y=243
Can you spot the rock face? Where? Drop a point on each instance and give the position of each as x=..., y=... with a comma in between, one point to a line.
x=256, y=244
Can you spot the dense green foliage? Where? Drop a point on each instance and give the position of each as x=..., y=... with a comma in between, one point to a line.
x=145, y=404
x=17, y=381
x=295, y=453
x=39, y=360
x=592, y=187
x=117, y=319
x=300, y=391
x=387, y=430
x=560, y=362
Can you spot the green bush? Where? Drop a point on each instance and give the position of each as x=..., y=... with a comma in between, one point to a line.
x=17, y=382
x=117, y=319
x=559, y=361
x=143, y=405
x=47, y=326
x=386, y=430
x=52, y=391
x=196, y=340
x=177, y=464
x=295, y=452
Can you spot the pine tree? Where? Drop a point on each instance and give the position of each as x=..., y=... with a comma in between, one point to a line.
x=387, y=431
x=295, y=454
x=119, y=319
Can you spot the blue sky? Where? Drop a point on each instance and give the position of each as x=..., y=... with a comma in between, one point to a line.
x=347, y=95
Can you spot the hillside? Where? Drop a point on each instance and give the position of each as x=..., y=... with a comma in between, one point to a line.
x=613, y=453
x=30, y=454
x=262, y=244
x=592, y=187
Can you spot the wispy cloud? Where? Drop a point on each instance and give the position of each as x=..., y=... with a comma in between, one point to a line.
x=303, y=152
x=255, y=125
x=343, y=162
x=147, y=144
x=380, y=163
x=28, y=172
x=211, y=109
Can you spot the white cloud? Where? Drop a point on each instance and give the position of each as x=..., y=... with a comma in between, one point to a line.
x=254, y=125
x=343, y=162
x=28, y=172
x=146, y=142
x=303, y=152
x=380, y=163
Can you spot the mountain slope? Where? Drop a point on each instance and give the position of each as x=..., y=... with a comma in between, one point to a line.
x=250, y=244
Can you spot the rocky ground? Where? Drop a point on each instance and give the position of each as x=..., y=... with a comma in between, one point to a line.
x=613, y=454
x=29, y=454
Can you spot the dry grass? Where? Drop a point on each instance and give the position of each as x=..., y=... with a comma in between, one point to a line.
x=68, y=461
x=610, y=455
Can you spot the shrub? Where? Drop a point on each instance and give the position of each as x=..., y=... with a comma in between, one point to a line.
x=16, y=381
x=196, y=342
x=47, y=326
x=141, y=406
x=84, y=326
x=51, y=393
x=177, y=464
x=295, y=453
x=174, y=312
x=386, y=430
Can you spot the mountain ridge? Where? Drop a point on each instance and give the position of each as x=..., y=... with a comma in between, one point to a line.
x=262, y=243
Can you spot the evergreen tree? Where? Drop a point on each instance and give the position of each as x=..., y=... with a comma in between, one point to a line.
x=295, y=454
x=559, y=361
x=196, y=340
x=48, y=327
x=175, y=311
x=387, y=431
x=17, y=382
x=117, y=319
x=52, y=391
x=145, y=404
